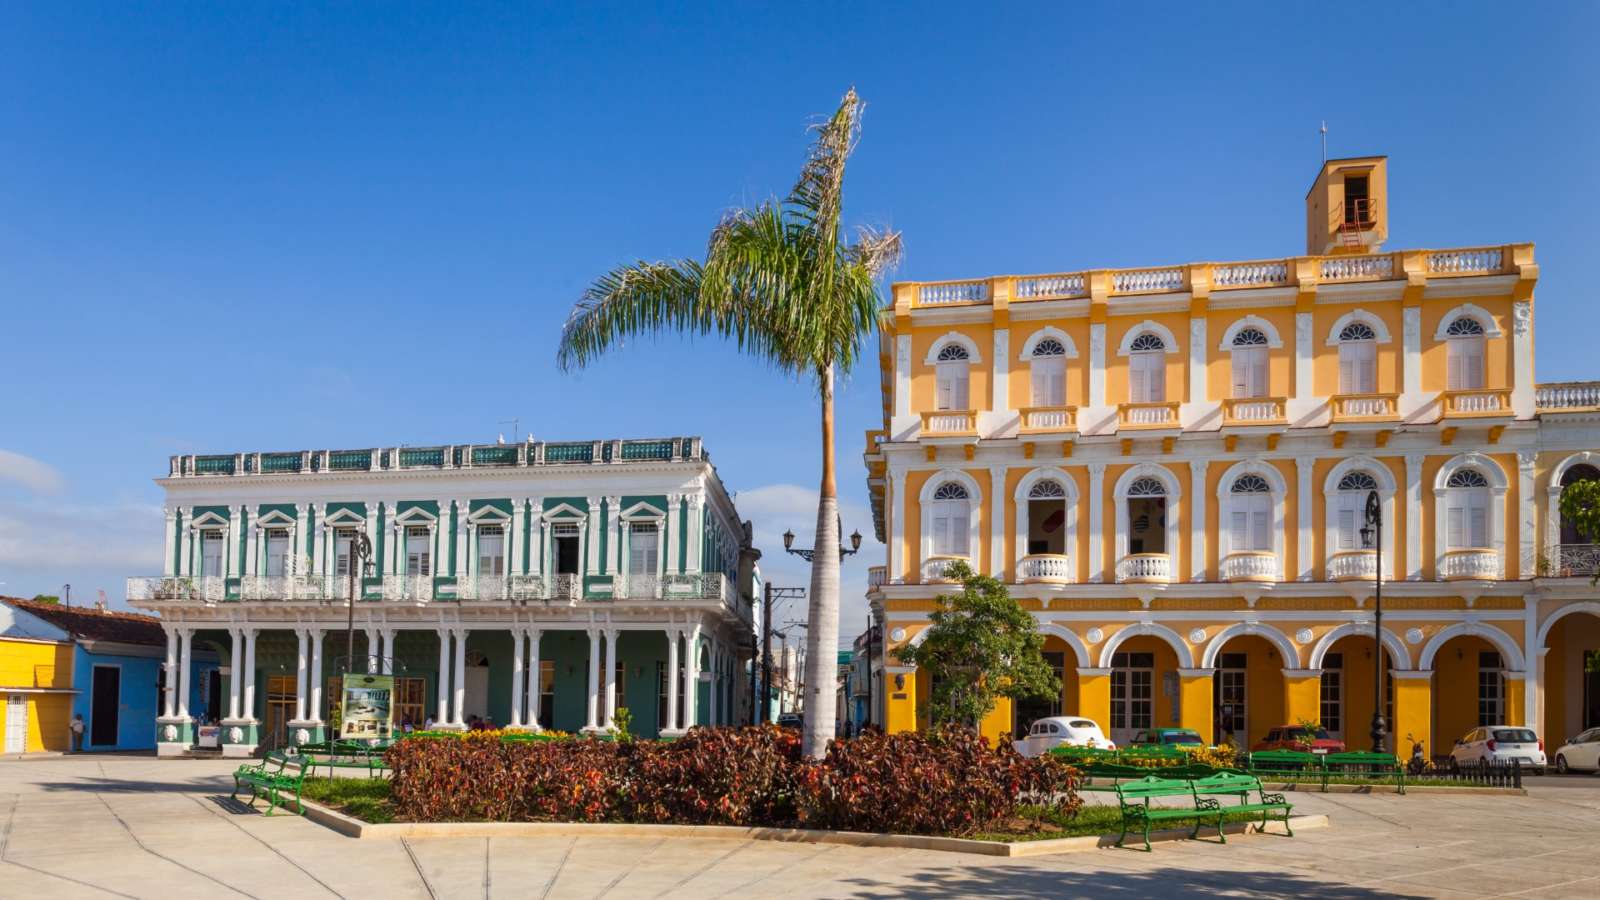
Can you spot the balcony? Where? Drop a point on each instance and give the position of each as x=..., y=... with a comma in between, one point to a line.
x=1365, y=408
x=1476, y=404
x=447, y=456
x=1574, y=560
x=1145, y=568
x=876, y=577
x=1160, y=414
x=950, y=423
x=1567, y=396
x=1254, y=411
x=947, y=293
x=1045, y=568
x=1250, y=565
x=1468, y=261
x=933, y=568
x=177, y=588
x=1476, y=564
x=1046, y=419
x=1353, y=565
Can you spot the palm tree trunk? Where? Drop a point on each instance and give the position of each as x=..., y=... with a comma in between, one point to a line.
x=822, y=636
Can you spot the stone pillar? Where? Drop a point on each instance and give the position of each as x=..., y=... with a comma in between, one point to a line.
x=613, y=561
x=514, y=539
x=1195, y=700
x=386, y=658
x=302, y=673
x=1522, y=393
x=518, y=640
x=1527, y=516
x=235, y=669
x=997, y=523
x=185, y=551
x=169, y=697
x=592, y=539
x=592, y=723
x=297, y=539
x=1516, y=699
x=1094, y=695
x=460, y=719
x=1197, y=530
x=611, y=677
x=374, y=651
x=1097, y=553
x=443, y=717
x=169, y=561
x=713, y=706
x=691, y=677
x=1413, y=712
x=1097, y=365
x=185, y=664
x=695, y=530
x=320, y=534
x=535, y=688
x=462, y=566
x=315, y=635
x=1414, y=516
x=252, y=554
x=1302, y=698
x=896, y=573
x=231, y=538
x=673, y=637
x=1304, y=564
x=392, y=547
x=669, y=535
x=250, y=635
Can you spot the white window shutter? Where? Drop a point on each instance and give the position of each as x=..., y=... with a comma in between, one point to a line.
x=1367, y=367
x=1453, y=379
x=942, y=400
x=1263, y=530
x=1158, y=377
x=1137, y=392
x=1240, y=531
x=1258, y=374
x=1347, y=529
x=1041, y=384
x=958, y=534
x=1453, y=534
x=961, y=390
x=1480, y=522
x=1241, y=373
x=1347, y=368
x=1474, y=366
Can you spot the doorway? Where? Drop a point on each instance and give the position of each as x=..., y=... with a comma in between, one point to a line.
x=280, y=709
x=104, y=702
x=477, y=684
x=16, y=723
x=1231, y=687
x=1132, y=694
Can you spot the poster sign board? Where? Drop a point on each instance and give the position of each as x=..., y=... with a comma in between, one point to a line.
x=366, y=710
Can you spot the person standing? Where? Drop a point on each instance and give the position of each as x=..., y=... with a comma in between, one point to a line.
x=77, y=732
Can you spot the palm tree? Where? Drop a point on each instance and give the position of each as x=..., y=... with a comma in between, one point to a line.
x=783, y=282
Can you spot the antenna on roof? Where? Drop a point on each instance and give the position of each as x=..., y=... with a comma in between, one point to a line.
x=516, y=427
x=1324, y=140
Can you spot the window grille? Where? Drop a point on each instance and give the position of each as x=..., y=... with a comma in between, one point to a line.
x=1251, y=484
x=1049, y=347
x=1250, y=337
x=1147, y=487
x=1358, y=481
x=1467, y=478
x=1147, y=342
x=1358, y=331
x=953, y=353
x=950, y=490
x=1464, y=327
x=1048, y=489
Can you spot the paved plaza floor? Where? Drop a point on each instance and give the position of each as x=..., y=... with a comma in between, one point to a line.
x=131, y=826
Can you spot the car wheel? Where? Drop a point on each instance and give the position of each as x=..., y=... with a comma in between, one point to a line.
x=1561, y=765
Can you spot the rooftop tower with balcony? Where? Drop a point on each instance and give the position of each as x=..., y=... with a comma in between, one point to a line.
x=1169, y=465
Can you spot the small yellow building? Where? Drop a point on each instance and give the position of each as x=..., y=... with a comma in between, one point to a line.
x=1170, y=467
x=36, y=690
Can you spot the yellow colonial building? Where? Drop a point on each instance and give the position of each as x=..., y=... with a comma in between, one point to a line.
x=1170, y=465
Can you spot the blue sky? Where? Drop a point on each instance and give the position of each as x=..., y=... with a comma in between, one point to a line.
x=231, y=226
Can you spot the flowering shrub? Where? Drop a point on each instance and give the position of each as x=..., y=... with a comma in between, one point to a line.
x=946, y=783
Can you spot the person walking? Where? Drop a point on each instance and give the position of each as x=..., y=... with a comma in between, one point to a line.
x=77, y=732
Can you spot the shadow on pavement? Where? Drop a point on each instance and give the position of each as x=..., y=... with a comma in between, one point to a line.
x=1013, y=881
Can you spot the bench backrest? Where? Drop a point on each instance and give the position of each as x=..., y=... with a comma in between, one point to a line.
x=275, y=761
x=1152, y=786
x=1227, y=783
x=1261, y=758
x=1361, y=758
x=295, y=766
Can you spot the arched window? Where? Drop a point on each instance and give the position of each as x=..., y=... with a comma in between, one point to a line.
x=1464, y=343
x=1049, y=372
x=1147, y=369
x=1250, y=516
x=951, y=517
x=1147, y=516
x=1047, y=517
x=1250, y=363
x=1358, y=359
x=1351, y=503
x=951, y=373
x=1466, y=510
x=1573, y=475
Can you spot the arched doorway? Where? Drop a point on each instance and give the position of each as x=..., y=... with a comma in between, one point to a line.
x=1470, y=688
x=1577, y=555
x=1064, y=663
x=1247, y=689
x=1346, y=693
x=1571, y=682
x=1144, y=687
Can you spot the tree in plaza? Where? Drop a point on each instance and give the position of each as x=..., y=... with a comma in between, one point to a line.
x=980, y=646
x=790, y=287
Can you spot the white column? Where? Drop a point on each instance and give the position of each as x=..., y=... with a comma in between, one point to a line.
x=691, y=676
x=235, y=670
x=320, y=533
x=391, y=545
x=613, y=535
x=541, y=549
x=443, y=716
x=592, y=540
x=169, y=696
x=1522, y=400
x=997, y=522
x=250, y=635
x=902, y=376
x=669, y=534
x=1097, y=364
x=534, y=686
x=1303, y=466
x=302, y=675
x=611, y=677
x=1527, y=516
x=315, y=636
x=1097, y=555
x=1304, y=374
x=461, y=676
x=518, y=639
x=1198, y=495
x=1001, y=387
x=592, y=723
x=714, y=708
x=232, y=538
x=252, y=553
x=1414, y=516
x=514, y=541
x=1411, y=354
x=462, y=567
x=1198, y=390
x=185, y=663
x=297, y=539
x=169, y=562
x=374, y=652
x=673, y=637
x=185, y=554
x=386, y=657
x=1532, y=664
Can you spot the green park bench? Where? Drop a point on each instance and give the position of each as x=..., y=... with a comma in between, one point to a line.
x=276, y=778
x=1133, y=797
x=1230, y=784
x=346, y=754
x=1287, y=765
x=1364, y=764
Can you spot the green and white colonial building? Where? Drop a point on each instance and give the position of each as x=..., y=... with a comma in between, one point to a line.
x=535, y=585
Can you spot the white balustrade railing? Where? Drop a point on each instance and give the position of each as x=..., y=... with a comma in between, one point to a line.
x=641, y=587
x=1363, y=406
x=1258, y=409
x=1250, y=565
x=1353, y=565
x=1257, y=274
x=933, y=568
x=484, y=587
x=1471, y=403
x=413, y=588
x=1045, y=568
x=525, y=587
x=1049, y=287
x=176, y=588
x=1150, y=568
x=1140, y=281
x=1148, y=414
x=952, y=292
x=566, y=586
x=1048, y=418
x=950, y=421
x=1466, y=262
x=1357, y=268
x=1567, y=395
x=1474, y=564
x=876, y=576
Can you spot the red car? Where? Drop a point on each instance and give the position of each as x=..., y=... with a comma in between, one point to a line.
x=1299, y=737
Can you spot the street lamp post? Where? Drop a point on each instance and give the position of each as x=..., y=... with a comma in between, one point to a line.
x=360, y=561
x=807, y=553
x=1372, y=539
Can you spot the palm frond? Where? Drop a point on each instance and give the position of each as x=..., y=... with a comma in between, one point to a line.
x=642, y=298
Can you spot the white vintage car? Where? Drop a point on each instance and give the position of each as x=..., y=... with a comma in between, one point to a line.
x=1062, y=731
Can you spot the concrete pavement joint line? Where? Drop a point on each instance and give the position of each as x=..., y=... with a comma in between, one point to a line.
x=426, y=884
x=559, y=866
x=638, y=860
x=783, y=868
x=275, y=850
x=486, y=842
x=5, y=836
x=69, y=878
x=1400, y=825
x=704, y=868
x=142, y=846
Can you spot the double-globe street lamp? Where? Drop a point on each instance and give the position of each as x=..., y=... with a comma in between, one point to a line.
x=1372, y=539
x=807, y=554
